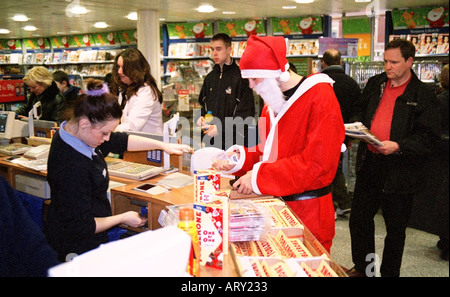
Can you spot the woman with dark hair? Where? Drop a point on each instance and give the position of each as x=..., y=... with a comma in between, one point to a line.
x=79, y=216
x=138, y=93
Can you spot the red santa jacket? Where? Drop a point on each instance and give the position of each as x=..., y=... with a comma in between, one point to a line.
x=300, y=147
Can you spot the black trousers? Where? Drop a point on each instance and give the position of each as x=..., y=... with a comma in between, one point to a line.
x=368, y=198
x=340, y=191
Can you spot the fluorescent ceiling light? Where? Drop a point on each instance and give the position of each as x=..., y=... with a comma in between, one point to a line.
x=77, y=9
x=29, y=28
x=206, y=8
x=304, y=1
x=289, y=7
x=20, y=18
x=229, y=12
x=132, y=16
x=4, y=31
x=100, y=25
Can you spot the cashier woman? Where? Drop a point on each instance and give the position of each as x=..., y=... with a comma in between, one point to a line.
x=79, y=215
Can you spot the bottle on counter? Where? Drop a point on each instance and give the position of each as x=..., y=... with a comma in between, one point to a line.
x=208, y=119
x=187, y=224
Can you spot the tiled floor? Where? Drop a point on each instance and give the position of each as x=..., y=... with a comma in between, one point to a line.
x=420, y=257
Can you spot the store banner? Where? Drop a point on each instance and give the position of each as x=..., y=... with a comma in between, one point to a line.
x=12, y=91
x=59, y=42
x=106, y=38
x=36, y=43
x=10, y=44
x=414, y=18
x=242, y=28
x=80, y=40
x=75, y=41
x=190, y=30
x=348, y=47
x=297, y=25
x=358, y=28
x=128, y=37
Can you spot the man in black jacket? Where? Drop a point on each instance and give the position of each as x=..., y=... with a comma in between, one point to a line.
x=228, y=96
x=403, y=112
x=347, y=92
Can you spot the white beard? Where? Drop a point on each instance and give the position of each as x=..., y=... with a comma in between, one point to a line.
x=269, y=90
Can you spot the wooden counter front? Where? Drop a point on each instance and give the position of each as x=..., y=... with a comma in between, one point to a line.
x=9, y=170
x=124, y=198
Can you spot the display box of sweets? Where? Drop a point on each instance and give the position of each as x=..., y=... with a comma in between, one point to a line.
x=287, y=248
x=206, y=184
x=292, y=267
x=211, y=221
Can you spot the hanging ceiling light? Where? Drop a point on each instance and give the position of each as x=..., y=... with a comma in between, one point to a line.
x=29, y=28
x=132, y=16
x=20, y=18
x=206, y=8
x=100, y=25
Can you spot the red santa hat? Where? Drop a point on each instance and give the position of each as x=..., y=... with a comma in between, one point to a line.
x=265, y=57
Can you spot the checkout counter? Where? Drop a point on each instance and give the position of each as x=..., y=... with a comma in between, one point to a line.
x=124, y=198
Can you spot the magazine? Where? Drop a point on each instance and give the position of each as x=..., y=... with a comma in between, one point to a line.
x=358, y=130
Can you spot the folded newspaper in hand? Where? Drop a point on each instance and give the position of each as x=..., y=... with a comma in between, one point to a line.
x=358, y=130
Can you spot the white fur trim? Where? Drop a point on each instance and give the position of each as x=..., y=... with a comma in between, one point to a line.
x=254, y=177
x=241, y=161
x=284, y=77
x=304, y=87
x=260, y=73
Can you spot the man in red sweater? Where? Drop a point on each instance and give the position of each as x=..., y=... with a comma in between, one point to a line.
x=301, y=131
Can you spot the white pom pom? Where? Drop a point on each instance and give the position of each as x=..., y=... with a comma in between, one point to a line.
x=284, y=77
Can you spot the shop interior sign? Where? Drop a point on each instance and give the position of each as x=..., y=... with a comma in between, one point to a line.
x=348, y=47
x=189, y=30
x=307, y=25
x=415, y=18
x=12, y=91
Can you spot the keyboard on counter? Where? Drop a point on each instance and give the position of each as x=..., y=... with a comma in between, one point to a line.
x=132, y=170
x=14, y=149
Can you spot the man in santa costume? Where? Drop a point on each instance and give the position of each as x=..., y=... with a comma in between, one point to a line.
x=301, y=131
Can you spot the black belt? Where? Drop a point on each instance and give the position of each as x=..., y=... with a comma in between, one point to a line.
x=309, y=194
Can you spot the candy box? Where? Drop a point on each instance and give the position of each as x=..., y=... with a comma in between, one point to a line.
x=212, y=225
x=206, y=184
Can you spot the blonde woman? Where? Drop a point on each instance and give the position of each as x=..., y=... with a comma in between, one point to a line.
x=43, y=89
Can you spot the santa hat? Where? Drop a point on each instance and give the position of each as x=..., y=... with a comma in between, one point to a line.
x=265, y=57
